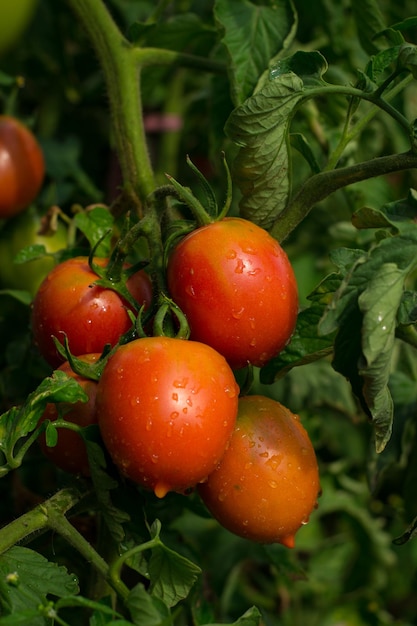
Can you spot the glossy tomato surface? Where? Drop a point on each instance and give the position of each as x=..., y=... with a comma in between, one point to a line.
x=69, y=454
x=166, y=410
x=267, y=483
x=19, y=232
x=91, y=316
x=22, y=166
x=237, y=288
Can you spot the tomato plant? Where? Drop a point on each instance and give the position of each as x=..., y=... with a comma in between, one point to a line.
x=22, y=166
x=237, y=288
x=91, y=316
x=303, y=121
x=69, y=452
x=166, y=410
x=267, y=483
x=22, y=231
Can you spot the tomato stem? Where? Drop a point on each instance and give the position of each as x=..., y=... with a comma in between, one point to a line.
x=119, y=63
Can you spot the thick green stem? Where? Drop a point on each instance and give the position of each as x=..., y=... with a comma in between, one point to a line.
x=37, y=519
x=122, y=75
x=323, y=184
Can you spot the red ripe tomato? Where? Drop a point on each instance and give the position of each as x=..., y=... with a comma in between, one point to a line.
x=22, y=166
x=69, y=454
x=237, y=288
x=91, y=316
x=267, y=483
x=166, y=410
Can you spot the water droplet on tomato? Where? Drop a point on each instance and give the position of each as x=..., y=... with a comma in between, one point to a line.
x=180, y=384
x=240, y=266
x=174, y=415
x=273, y=484
x=288, y=541
x=190, y=290
x=175, y=397
x=237, y=314
x=148, y=425
x=154, y=458
x=230, y=392
x=161, y=489
x=231, y=254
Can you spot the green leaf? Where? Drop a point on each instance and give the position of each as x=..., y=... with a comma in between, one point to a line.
x=407, y=58
x=18, y=422
x=364, y=313
x=18, y=294
x=146, y=609
x=103, y=483
x=33, y=578
x=300, y=143
x=96, y=225
x=379, y=303
x=369, y=22
x=306, y=343
x=407, y=311
x=171, y=575
x=246, y=27
x=29, y=253
x=252, y=617
x=380, y=62
x=309, y=66
x=63, y=163
x=260, y=127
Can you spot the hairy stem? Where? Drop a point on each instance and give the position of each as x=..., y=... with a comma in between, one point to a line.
x=119, y=64
x=323, y=184
x=37, y=519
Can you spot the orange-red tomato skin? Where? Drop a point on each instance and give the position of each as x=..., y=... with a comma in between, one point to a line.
x=236, y=286
x=91, y=316
x=22, y=166
x=166, y=410
x=267, y=483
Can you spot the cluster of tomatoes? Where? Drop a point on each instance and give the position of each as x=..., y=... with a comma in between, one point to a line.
x=169, y=410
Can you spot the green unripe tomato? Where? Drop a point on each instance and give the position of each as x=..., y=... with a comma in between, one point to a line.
x=14, y=17
x=19, y=232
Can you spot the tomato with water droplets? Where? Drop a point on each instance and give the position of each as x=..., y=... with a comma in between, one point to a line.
x=91, y=316
x=166, y=410
x=267, y=483
x=236, y=286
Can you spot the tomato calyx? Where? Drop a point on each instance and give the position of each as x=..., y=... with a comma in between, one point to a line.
x=210, y=211
x=86, y=369
x=170, y=321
